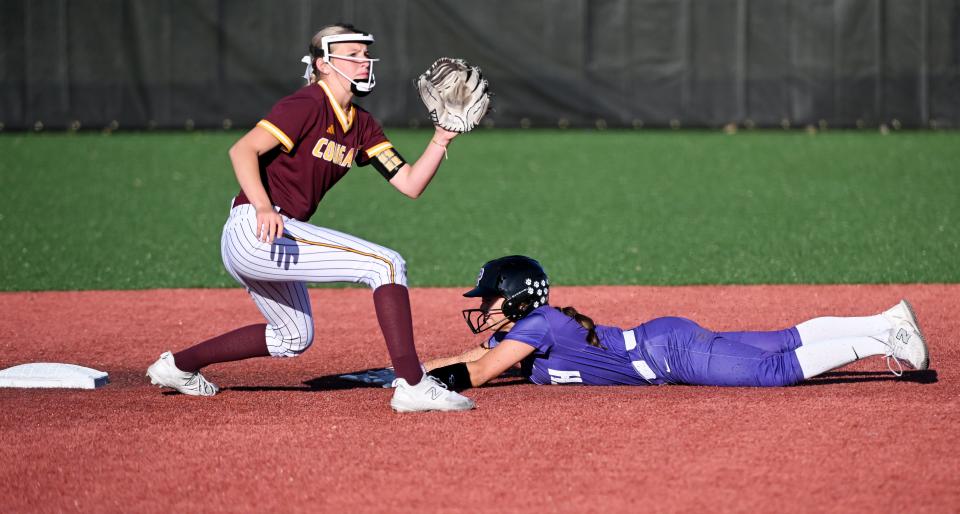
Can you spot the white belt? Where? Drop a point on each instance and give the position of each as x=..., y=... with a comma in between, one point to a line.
x=630, y=339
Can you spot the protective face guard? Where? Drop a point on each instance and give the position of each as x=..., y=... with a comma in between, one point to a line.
x=359, y=88
x=479, y=320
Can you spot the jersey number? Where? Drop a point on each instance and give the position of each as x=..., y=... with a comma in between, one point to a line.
x=564, y=377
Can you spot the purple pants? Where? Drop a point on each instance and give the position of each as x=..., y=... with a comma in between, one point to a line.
x=682, y=352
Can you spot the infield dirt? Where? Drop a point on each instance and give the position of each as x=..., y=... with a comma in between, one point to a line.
x=288, y=436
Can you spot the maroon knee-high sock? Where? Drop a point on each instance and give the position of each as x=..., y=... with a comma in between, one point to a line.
x=242, y=343
x=392, y=302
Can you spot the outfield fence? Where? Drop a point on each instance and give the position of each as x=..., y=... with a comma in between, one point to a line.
x=552, y=63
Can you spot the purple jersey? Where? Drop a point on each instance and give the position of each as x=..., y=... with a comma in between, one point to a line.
x=660, y=351
x=319, y=142
x=563, y=356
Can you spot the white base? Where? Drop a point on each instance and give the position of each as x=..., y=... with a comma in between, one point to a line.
x=52, y=375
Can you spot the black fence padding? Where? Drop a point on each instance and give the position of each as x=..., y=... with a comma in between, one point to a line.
x=139, y=64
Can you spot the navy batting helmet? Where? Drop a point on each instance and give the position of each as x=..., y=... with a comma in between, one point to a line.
x=519, y=280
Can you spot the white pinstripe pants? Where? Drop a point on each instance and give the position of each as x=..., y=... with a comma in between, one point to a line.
x=276, y=275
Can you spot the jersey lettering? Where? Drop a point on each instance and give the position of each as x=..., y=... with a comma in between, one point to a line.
x=334, y=152
x=564, y=377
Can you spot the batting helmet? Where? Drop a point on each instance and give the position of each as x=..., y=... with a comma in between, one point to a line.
x=521, y=281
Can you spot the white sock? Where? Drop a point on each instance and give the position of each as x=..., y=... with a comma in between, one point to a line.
x=824, y=329
x=823, y=356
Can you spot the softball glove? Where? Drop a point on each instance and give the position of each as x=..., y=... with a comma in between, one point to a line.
x=455, y=94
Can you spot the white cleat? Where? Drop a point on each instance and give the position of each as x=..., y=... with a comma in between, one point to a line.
x=429, y=394
x=164, y=373
x=902, y=311
x=906, y=341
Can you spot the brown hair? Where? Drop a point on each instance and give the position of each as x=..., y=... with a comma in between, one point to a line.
x=315, y=42
x=584, y=322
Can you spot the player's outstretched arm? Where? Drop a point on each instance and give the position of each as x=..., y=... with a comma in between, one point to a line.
x=470, y=355
x=460, y=376
x=456, y=97
x=412, y=179
x=494, y=362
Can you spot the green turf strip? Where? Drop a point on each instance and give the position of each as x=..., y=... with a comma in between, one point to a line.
x=144, y=210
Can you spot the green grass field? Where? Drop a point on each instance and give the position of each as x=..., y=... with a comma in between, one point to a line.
x=144, y=210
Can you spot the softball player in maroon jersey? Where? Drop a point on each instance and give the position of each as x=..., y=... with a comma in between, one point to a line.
x=285, y=165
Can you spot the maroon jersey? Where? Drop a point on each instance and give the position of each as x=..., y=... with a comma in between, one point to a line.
x=318, y=145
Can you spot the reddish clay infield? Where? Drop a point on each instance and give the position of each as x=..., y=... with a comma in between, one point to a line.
x=287, y=436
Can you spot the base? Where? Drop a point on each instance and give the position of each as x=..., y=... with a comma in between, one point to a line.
x=52, y=375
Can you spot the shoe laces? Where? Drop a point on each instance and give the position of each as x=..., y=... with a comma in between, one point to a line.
x=891, y=356
x=431, y=378
x=436, y=381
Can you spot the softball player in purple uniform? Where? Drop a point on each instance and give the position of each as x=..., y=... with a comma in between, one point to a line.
x=285, y=165
x=562, y=346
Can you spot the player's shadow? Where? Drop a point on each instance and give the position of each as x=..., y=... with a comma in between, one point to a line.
x=927, y=376
x=318, y=384
x=338, y=383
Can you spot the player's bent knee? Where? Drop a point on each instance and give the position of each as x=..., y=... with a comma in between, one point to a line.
x=398, y=267
x=389, y=267
x=288, y=348
x=285, y=346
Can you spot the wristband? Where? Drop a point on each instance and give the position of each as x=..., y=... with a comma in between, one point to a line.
x=455, y=376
